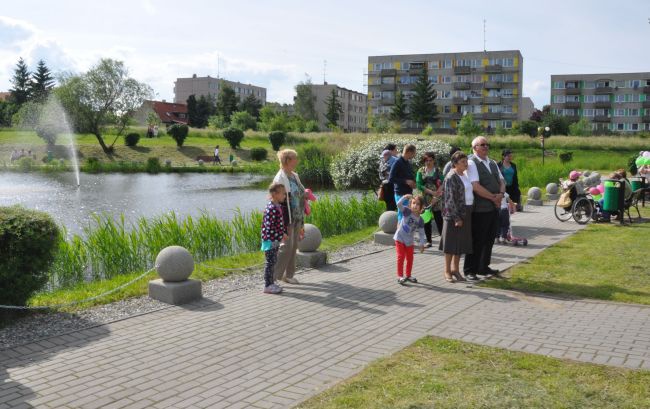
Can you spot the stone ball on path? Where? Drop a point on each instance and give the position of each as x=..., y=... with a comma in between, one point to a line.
x=312, y=239
x=388, y=222
x=174, y=263
x=535, y=193
x=552, y=188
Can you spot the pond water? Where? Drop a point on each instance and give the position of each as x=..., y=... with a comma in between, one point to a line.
x=134, y=195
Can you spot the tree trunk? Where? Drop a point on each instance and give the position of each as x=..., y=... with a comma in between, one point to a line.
x=107, y=149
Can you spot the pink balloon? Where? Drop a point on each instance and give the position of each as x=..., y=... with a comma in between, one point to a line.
x=601, y=188
x=646, y=154
x=594, y=191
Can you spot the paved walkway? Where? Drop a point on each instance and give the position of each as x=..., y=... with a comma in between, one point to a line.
x=248, y=349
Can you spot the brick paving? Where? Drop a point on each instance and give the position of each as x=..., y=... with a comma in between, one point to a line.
x=251, y=350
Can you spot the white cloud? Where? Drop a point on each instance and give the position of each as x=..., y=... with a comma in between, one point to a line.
x=149, y=7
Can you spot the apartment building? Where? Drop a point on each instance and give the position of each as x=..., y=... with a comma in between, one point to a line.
x=614, y=102
x=209, y=86
x=487, y=84
x=354, y=117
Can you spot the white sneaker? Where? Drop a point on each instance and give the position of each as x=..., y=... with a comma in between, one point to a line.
x=291, y=280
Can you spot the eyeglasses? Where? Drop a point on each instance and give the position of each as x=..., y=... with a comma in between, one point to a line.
x=484, y=145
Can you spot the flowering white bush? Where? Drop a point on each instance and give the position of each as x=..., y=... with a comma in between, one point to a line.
x=358, y=167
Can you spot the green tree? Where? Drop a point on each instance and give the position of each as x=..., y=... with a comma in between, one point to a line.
x=205, y=108
x=7, y=110
x=226, y=102
x=305, y=100
x=559, y=124
x=334, y=109
x=399, y=112
x=102, y=96
x=423, y=107
x=580, y=128
x=468, y=126
x=21, y=82
x=529, y=128
x=42, y=82
x=243, y=120
x=251, y=105
x=192, y=113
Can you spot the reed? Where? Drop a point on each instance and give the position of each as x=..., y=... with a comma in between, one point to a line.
x=112, y=247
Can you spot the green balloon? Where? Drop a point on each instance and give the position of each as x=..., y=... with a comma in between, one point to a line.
x=427, y=216
x=640, y=161
x=646, y=160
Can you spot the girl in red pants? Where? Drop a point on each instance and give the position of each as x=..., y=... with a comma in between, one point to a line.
x=405, y=235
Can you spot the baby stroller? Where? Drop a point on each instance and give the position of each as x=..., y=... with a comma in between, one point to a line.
x=504, y=222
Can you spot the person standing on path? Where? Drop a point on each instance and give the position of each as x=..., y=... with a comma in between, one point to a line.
x=401, y=175
x=510, y=176
x=405, y=235
x=293, y=214
x=458, y=198
x=216, y=155
x=388, y=158
x=428, y=182
x=273, y=233
x=488, y=186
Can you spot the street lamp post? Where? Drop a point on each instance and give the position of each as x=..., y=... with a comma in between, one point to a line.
x=544, y=133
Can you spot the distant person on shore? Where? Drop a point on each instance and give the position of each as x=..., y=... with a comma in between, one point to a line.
x=405, y=235
x=15, y=155
x=273, y=233
x=216, y=155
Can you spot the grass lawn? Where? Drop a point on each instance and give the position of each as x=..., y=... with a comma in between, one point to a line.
x=218, y=268
x=438, y=373
x=603, y=261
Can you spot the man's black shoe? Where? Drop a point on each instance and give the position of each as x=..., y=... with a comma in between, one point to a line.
x=492, y=272
x=471, y=277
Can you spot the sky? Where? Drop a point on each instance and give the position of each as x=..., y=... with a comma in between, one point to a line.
x=277, y=44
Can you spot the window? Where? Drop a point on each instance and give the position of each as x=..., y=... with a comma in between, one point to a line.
x=445, y=94
x=620, y=127
x=602, y=84
x=619, y=112
x=507, y=109
x=386, y=80
x=572, y=98
x=508, y=62
x=477, y=63
x=558, y=85
x=600, y=112
x=570, y=112
x=463, y=78
x=377, y=66
x=496, y=61
x=620, y=84
x=559, y=99
x=507, y=93
x=633, y=112
x=477, y=79
x=634, y=127
x=445, y=124
x=387, y=65
x=635, y=83
x=589, y=85
x=506, y=124
x=602, y=98
x=446, y=64
x=405, y=65
x=434, y=64
x=589, y=99
x=446, y=80
x=620, y=98
x=588, y=112
x=432, y=78
x=494, y=93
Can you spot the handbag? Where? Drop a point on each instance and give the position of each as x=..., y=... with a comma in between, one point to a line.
x=565, y=199
x=380, y=193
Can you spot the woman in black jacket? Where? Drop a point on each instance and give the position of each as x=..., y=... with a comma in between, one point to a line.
x=509, y=172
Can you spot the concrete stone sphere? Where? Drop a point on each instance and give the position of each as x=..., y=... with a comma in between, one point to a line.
x=552, y=188
x=312, y=239
x=388, y=222
x=535, y=193
x=174, y=263
x=233, y=163
x=200, y=162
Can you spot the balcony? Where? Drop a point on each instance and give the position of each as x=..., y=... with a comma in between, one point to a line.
x=455, y=115
x=492, y=69
x=461, y=85
x=508, y=115
x=462, y=70
x=603, y=104
x=491, y=100
x=602, y=118
x=492, y=84
x=460, y=101
x=478, y=116
x=572, y=91
x=645, y=104
x=604, y=90
x=646, y=118
x=387, y=101
x=387, y=87
x=572, y=105
x=492, y=115
x=416, y=68
x=388, y=72
x=406, y=86
x=646, y=90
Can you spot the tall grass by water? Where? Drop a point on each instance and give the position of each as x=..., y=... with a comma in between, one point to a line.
x=111, y=247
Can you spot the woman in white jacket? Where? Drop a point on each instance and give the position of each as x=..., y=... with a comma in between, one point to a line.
x=294, y=214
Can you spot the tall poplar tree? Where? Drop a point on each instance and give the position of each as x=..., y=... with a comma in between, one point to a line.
x=334, y=109
x=21, y=80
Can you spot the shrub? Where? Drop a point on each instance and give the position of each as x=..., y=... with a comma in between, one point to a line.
x=529, y=128
x=217, y=122
x=259, y=154
x=132, y=139
x=25, y=164
x=243, y=120
x=92, y=165
x=469, y=127
x=358, y=166
x=179, y=133
x=565, y=157
x=580, y=128
x=234, y=136
x=559, y=124
x=312, y=126
x=153, y=165
x=428, y=131
x=379, y=124
x=277, y=139
x=28, y=243
x=501, y=131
